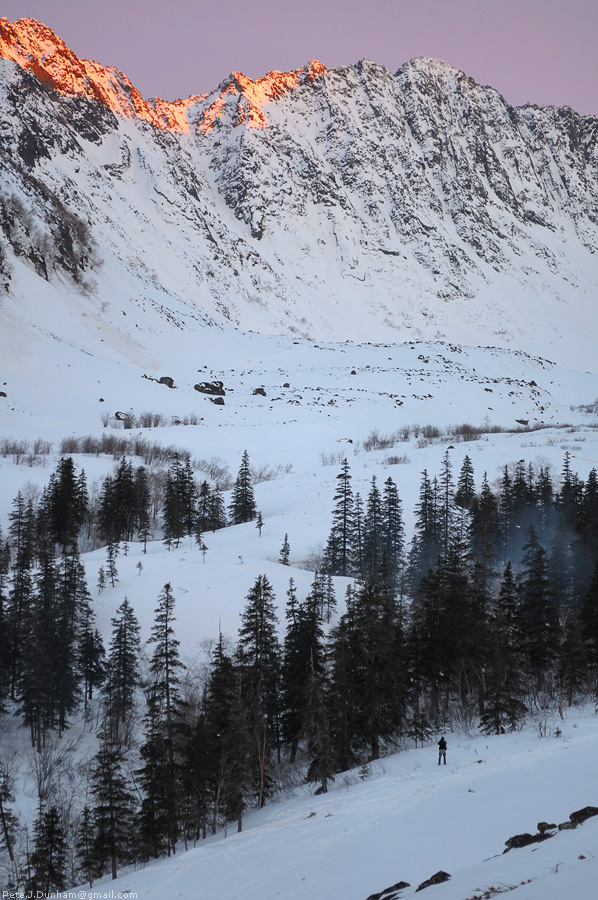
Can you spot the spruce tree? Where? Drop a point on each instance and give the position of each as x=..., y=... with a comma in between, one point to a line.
x=243, y=506
x=65, y=501
x=465, y=494
x=22, y=537
x=338, y=555
x=230, y=740
x=589, y=622
x=316, y=729
x=87, y=863
x=303, y=650
x=158, y=817
x=122, y=672
x=258, y=655
x=504, y=685
x=49, y=856
x=166, y=668
x=572, y=662
x=373, y=539
x=537, y=611
x=393, y=540
x=113, y=811
x=285, y=551
x=426, y=541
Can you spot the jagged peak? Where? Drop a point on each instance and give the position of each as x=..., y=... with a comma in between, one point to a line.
x=424, y=71
x=248, y=96
x=38, y=49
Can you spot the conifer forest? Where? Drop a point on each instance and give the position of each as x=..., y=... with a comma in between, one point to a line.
x=486, y=612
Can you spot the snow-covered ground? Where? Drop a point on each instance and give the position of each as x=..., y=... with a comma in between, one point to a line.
x=407, y=819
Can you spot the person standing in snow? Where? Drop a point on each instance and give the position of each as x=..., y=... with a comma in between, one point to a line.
x=442, y=750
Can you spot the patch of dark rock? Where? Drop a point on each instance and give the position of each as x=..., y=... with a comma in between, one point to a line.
x=581, y=815
x=121, y=416
x=167, y=380
x=438, y=878
x=260, y=391
x=523, y=840
x=390, y=893
x=219, y=401
x=3, y=394
x=567, y=826
x=215, y=388
x=543, y=827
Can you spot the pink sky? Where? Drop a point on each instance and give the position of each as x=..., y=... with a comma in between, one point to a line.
x=537, y=51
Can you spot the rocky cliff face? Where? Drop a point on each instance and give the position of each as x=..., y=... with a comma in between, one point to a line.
x=314, y=201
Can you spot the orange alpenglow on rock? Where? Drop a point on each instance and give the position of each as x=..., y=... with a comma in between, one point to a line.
x=35, y=47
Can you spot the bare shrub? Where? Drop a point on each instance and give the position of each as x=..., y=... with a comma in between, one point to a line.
x=18, y=449
x=270, y=473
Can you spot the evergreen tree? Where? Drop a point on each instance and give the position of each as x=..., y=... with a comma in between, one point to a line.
x=538, y=615
x=229, y=734
x=465, y=494
x=426, y=543
x=36, y=687
x=8, y=820
x=196, y=777
x=393, y=540
x=258, y=655
x=572, y=663
x=65, y=502
x=303, y=651
x=378, y=669
x=72, y=610
x=49, y=857
x=87, y=863
x=178, y=513
x=157, y=779
x=243, y=507
x=112, y=550
x=316, y=730
x=22, y=536
x=113, y=811
x=373, y=539
x=166, y=668
x=259, y=523
x=329, y=599
x=91, y=658
x=122, y=672
x=484, y=527
x=589, y=622
x=285, y=551
x=446, y=507
x=338, y=555
x=4, y=633
x=343, y=645
x=503, y=679
x=358, y=552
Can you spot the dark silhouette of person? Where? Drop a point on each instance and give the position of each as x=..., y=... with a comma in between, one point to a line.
x=442, y=750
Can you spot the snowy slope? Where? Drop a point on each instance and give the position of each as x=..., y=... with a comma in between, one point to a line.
x=405, y=822
x=375, y=253
x=343, y=204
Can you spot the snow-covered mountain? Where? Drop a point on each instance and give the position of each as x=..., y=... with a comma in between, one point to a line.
x=331, y=204
x=350, y=252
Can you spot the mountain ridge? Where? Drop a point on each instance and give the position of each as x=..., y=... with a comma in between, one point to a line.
x=373, y=206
